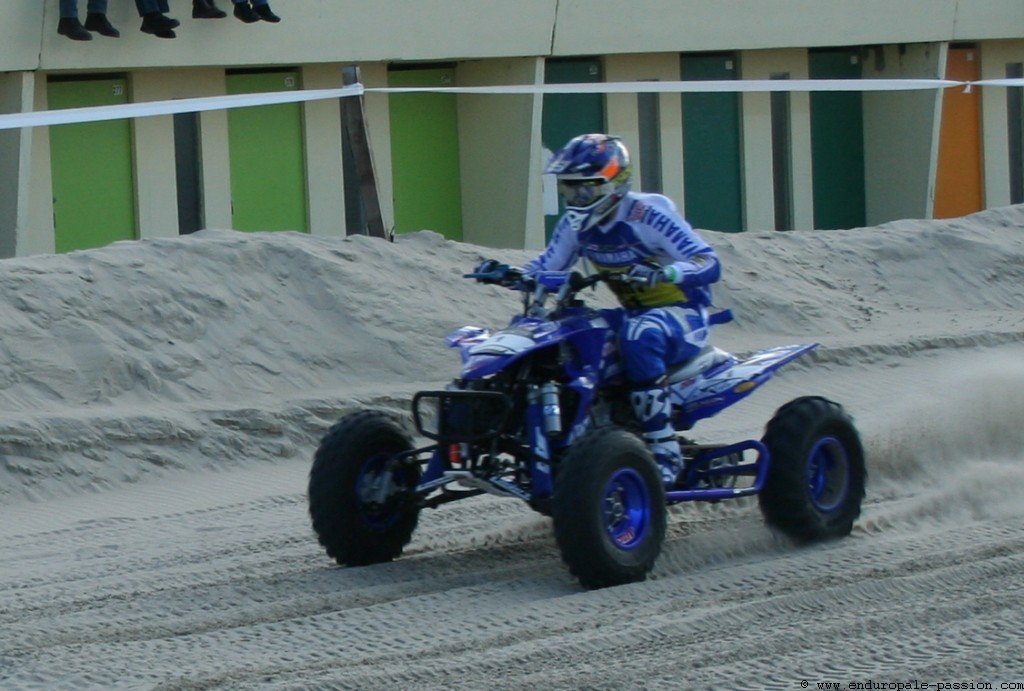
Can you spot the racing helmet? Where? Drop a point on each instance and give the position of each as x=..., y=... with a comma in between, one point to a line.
x=593, y=173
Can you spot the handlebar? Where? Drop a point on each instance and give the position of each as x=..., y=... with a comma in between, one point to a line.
x=553, y=281
x=563, y=284
x=537, y=286
x=578, y=281
x=497, y=274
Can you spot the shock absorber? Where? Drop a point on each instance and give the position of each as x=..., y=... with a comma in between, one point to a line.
x=550, y=399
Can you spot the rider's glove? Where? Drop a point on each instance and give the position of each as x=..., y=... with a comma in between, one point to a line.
x=487, y=266
x=652, y=275
x=493, y=271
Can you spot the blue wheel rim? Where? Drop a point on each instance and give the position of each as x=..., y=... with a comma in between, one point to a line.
x=626, y=509
x=828, y=471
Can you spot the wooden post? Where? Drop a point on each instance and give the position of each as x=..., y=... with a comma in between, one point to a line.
x=355, y=129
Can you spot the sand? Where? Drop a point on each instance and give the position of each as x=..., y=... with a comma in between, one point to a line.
x=161, y=401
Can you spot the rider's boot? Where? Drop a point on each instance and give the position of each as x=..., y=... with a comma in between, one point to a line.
x=654, y=411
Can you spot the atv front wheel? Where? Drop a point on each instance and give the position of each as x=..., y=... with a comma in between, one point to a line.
x=609, y=509
x=816, y=478
x=360, y=499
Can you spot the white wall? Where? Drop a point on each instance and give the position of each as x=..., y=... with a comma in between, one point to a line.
x=988, y=19
x=641, y=40
x=665, y=25
x=21, y=28
x=349, y=31
x=499, y=157
x=622, y=115
x=38, y=236
x=759, y=190
x=15, y=148
x=311, y=31
x=995, y=55
x=322, y=133
x=156, y=190
x=901, y=134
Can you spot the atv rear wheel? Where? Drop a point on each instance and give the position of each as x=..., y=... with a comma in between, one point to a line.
x=609, y=509
x=361, y=501
x=816, y=479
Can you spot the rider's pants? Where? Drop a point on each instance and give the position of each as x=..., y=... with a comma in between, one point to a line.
x=651, y=340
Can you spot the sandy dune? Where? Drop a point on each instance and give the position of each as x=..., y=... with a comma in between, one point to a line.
x=162, y=399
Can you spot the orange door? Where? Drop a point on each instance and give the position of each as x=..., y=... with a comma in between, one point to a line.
x=958, y=186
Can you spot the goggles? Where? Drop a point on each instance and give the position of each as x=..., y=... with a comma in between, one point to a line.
x=583, y=193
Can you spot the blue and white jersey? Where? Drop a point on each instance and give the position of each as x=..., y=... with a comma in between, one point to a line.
x=645, y=228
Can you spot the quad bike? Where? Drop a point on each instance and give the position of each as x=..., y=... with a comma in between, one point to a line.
x=540, y=413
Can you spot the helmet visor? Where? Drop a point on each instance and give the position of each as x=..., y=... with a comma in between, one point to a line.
x=584, y=193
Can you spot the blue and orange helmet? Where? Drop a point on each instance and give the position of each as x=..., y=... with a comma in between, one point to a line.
x=593, y=173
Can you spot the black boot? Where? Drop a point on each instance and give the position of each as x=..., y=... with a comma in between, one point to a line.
x=73, y=29
x=99, y=23
x=206, y=9
x=245, y=13
x=266, y=14
x=158, y=25
x=158, y=20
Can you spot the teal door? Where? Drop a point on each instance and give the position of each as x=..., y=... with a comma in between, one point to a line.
x=268, y=160
x=569, y=115
x=91, y=166
x=712, y=159
x=837, y=142
x=425, y=170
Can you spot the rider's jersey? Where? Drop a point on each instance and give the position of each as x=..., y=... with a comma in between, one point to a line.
x=645, y=228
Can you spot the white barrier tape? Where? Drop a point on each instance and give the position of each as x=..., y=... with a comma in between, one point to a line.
x=184, y=105
x=724, y=85
x=1014, y=82
x=194, y=105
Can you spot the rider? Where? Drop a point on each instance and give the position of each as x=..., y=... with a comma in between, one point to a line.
x=643, y=236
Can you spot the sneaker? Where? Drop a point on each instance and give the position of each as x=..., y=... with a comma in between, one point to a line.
x=94, y=21
x=246, y=13
x=73, y=29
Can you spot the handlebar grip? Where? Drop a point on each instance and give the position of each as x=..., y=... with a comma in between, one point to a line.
x=501, y=274
x=578, y=281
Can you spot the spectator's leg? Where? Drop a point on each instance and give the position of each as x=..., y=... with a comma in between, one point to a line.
x=206, y=9
x=262, y=8
x=68, y=25
x=153, y=20
x=97, y=20
x=146, y=7
x=245, y=12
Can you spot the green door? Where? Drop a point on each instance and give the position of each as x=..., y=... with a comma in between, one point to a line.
x=91, y=164
x=268, y=163
x=425, y=175
x=837, y=142
x=569, y=115
x=712, y=159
